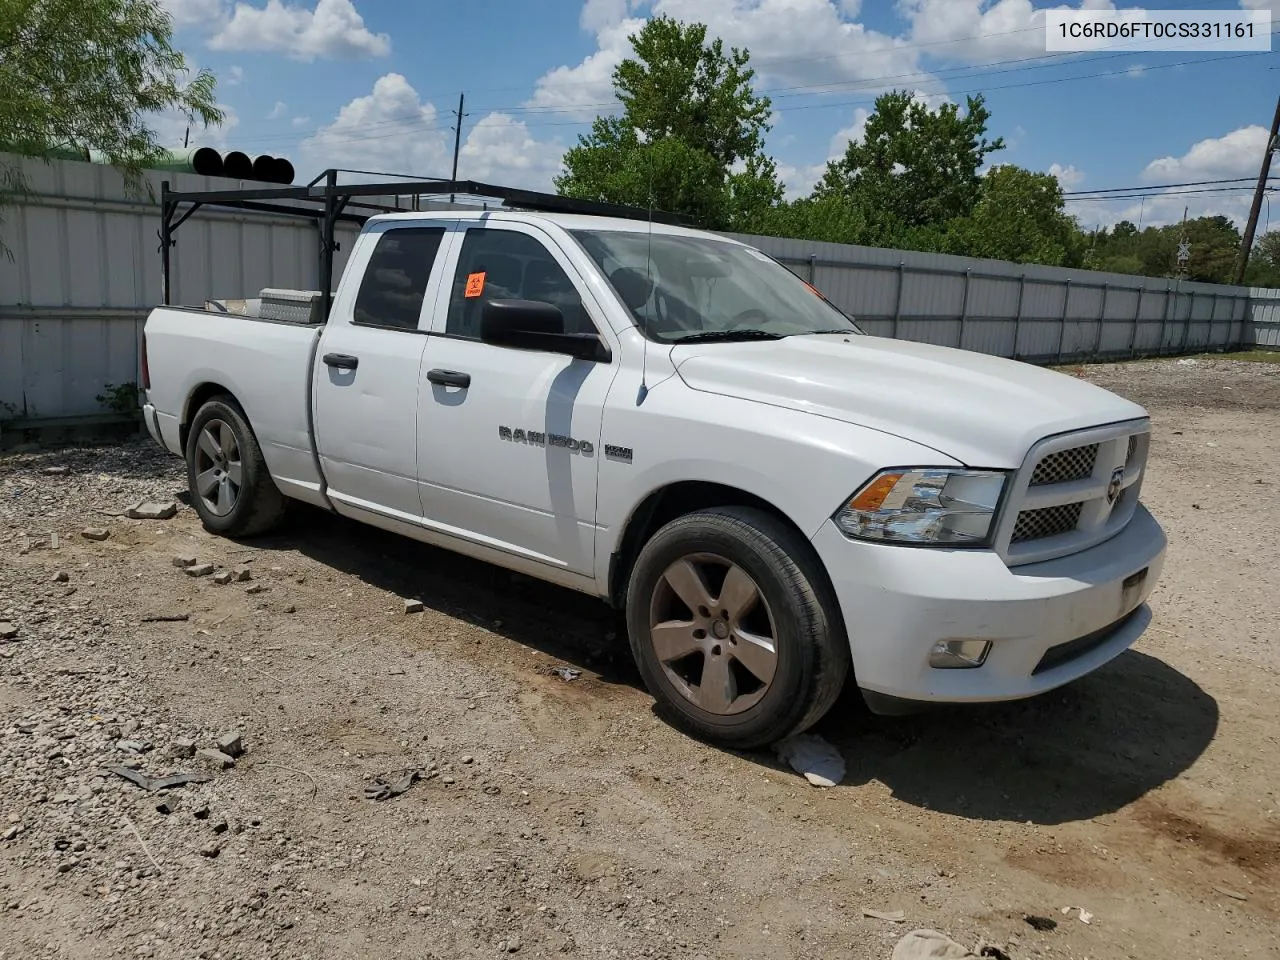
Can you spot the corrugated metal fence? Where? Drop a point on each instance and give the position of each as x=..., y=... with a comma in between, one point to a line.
x=85, y=270
x=1033, y=313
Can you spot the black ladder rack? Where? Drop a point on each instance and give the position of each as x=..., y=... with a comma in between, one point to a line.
x=328, y=203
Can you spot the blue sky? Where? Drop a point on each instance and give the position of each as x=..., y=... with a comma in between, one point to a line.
x=371, y=84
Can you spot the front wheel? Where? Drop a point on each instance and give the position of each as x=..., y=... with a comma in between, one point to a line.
x=733, y=629
x=231, y=488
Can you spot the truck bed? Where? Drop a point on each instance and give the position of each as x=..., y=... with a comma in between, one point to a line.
x=266, y=363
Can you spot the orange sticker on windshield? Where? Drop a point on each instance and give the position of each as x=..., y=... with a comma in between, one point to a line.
x=475, y=285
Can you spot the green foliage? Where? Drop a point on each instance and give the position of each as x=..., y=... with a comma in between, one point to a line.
x=121, y=398
x=690, y=136
x=84, y=74
x=690, y=139
x=1019, y=217
x=1264, y=261
x=1153, y=252
x=914, y=166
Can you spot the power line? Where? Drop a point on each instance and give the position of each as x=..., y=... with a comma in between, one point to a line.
x=1150, y=195
x=409, y=121
x=1161, y=186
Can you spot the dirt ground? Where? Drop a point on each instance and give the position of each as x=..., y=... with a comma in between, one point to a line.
x=564, y=817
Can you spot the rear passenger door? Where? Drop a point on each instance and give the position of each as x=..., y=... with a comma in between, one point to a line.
x=366, y=377
x=509, y=438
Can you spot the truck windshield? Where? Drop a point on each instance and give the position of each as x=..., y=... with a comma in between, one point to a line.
x=681, y=288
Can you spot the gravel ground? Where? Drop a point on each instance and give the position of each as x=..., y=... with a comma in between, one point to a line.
x=554, y=817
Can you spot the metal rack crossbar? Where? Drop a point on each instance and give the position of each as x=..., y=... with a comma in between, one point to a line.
x=328, y=203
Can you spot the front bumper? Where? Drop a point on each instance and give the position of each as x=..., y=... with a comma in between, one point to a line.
x=899, y=601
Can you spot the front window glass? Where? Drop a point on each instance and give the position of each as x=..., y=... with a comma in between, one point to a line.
x=680, y=287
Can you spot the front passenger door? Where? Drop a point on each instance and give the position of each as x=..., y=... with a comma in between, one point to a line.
x=508, y=438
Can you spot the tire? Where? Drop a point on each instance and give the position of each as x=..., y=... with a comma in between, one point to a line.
x=254, y=506
x=711, y=673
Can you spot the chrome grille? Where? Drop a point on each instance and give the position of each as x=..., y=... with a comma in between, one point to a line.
x=1067, y=465
x=1046, y=522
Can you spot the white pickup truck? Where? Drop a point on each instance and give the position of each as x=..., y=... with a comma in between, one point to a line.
x=674, y=422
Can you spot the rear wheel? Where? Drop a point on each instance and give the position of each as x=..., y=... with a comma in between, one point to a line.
x=733, y=629
x=231, y=488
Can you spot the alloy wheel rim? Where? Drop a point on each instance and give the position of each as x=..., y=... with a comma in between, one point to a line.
x=218, y=468
x=713, y=633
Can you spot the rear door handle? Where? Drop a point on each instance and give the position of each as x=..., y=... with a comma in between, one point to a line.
x=449, y=378
x=343, y=361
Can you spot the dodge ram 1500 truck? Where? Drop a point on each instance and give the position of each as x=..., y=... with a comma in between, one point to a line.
x=674, y=422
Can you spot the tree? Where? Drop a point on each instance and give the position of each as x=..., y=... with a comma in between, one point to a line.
x=1267, y=249
x=914, y=166
x=1215, y=245
x=1264, y=261
x=85, y=75
x=1019, y=217
x=690, y=137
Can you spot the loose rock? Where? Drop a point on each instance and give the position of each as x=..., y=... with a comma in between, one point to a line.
x=61, y=577
x=95, y=533
x=232, y=744
x=216, y=758
x=7, y=630
x=211, y=849
x=222, y=577
x=182, y=748
x=241, y=574
x=199, y=570
x=152, y=510
x=413, y=606
x=185, y=559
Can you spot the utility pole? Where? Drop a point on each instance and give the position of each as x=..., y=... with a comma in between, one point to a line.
x=1246, y=244
x=457, y=139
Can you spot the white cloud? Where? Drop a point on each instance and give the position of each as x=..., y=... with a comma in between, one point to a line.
x=1068, y=176
x=977, y=30
x=300, y=122
x=171, y=128
x=234, y=76
x=277, y=111
x=393, y=130
x=334, y=30
x=1162, y=208
x=808, y=42
x=792, y=43
x=194, y=13
x=500, y=149
x=600, y=14
x=579, y=91
x=1236, y=154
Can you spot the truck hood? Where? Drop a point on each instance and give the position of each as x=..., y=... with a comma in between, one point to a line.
x=981, y=410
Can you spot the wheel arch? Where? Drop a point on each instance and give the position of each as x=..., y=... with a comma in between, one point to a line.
x=676, y=499
x=195, y=400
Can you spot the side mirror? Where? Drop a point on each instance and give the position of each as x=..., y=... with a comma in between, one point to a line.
x=536, y=325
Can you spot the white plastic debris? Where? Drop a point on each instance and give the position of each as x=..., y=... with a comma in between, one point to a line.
x=1188, y=362
x=1084, y=915
x=810, y=755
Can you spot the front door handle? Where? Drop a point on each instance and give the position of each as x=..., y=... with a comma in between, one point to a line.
x=343, y=361
x=449, y=378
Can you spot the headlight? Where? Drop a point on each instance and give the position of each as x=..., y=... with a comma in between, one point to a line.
x=924, y=506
